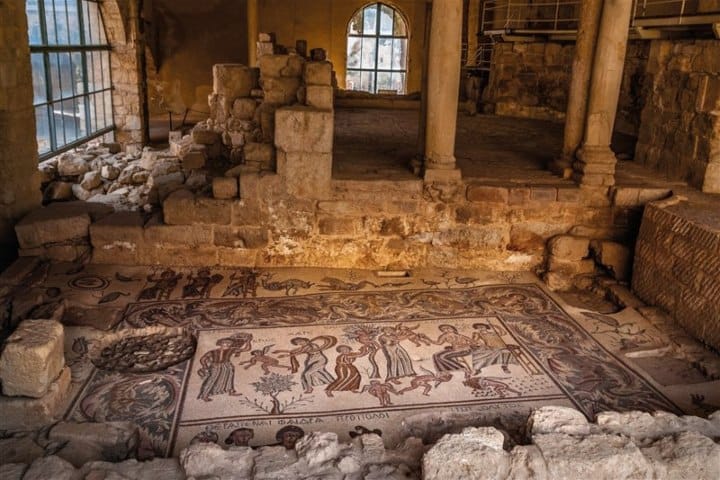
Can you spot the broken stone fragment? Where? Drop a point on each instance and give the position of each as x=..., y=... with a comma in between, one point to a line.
x=109, y=172
x=475, y=453
x=32, y=358
x=86, y=442
x=91, y=180
x=12, y=471
x=568, y=247
x=233, y=80
x=52, y=467
x=72, y=165
x=23, y=413
x=553, y=419
x=209, y=460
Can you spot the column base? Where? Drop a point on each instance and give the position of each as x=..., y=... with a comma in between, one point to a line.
x=561, y=167
x=441, y=175
x=595, y=166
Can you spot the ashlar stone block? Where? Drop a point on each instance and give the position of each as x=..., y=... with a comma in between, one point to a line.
x=322, y=97
x=22, y=413
x=306, y=175
x=304, y=130
x=233, y=80
x=51, y=225
x=32, y=359
x=318, y=73
x=225, y=187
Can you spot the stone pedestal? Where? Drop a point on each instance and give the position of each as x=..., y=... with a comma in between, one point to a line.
x=442, y=89
x=596, y=161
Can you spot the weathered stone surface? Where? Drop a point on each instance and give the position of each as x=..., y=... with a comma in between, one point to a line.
x=32, y=358
x=194, y=159
x=318, y=73
x=156, y=469
x=85, y=442
x=568, y=247
x=476, y=453
x=205, y=460
x=225, y=187
x=321, y=97
x=91, y=180
x=303, y=130
x=20, y=449
x=58, y=192
x=52, y=224
x=306, y=175
x=685, y=455
x=52, y=467
x=18, y=271
x=233, y=80
x=554, y=419
x=21, y=413
x=281, y=90
x=72, y=165
x=614, y=257
x=605, y=456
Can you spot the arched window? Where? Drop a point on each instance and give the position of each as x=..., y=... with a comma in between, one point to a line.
x=70, y=59
x=377, y=50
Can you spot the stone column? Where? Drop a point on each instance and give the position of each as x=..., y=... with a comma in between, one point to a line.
x=19, y=178
x=442, y=91
x=595, y=164
x=579, y=85
x=252, y=28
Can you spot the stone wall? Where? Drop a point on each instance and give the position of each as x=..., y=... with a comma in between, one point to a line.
x=632, y=90
x=529, y=80
x=532, y=80
x=128, y=95
x=680, y=128
x=19, y=179
x=677, y=264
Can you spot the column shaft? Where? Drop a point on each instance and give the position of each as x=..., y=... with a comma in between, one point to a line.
x=252, y=23
x=588, y=27
x=444, y=56
x=596, y=161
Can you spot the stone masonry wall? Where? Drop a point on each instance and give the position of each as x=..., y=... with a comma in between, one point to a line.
x=677, y=264
x=121, y=23
x=680, y=128
x=19, y=179
x=529, y=80
x=532, y=80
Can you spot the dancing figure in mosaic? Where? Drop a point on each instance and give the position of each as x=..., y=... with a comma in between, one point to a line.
x=217, y=371
x=266, y=361
x=426, y=381
x=398, y=360
x=381, y=391
x=348, y=376
x=314, y=371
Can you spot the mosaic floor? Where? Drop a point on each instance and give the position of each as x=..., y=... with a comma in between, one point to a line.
x=285, y=351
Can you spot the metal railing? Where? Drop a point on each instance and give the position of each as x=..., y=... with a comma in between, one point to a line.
x=548, y=16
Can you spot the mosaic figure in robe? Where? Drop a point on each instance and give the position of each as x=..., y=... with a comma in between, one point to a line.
x=348, y=376
x=217, y=370
x=314, y=370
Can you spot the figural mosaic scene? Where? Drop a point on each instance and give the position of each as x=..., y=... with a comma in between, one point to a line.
x=347, y=239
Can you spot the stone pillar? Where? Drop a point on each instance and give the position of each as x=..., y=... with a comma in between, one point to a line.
x=252, y=29
x=579, y=85
x=442, y=91
x=595, y=164
x=19, y=178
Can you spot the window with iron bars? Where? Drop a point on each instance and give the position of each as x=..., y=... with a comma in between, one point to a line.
x=70, y=59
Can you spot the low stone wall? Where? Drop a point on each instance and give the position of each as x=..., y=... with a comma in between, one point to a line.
x=680, y=128
x=677, y=263
x=562, y=445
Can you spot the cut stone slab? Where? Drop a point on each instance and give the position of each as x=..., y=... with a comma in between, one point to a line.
x=318, y=73
x=58, y=222
x=615, y=257
x=71, y=165
x=568, y=247
x=233, y=80
x=205, y=460
x=86, y=442
x=32, y=359
x=303, y=129
x=225, y=187
x=22, y=413
x=321, y=97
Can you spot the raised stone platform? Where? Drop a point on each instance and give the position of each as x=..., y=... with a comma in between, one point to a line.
x=677, y=262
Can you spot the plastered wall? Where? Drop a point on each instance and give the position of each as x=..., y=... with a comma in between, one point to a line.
x=323, y=23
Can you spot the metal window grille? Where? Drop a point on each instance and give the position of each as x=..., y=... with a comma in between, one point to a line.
x=377, y=50
x=70, y=59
